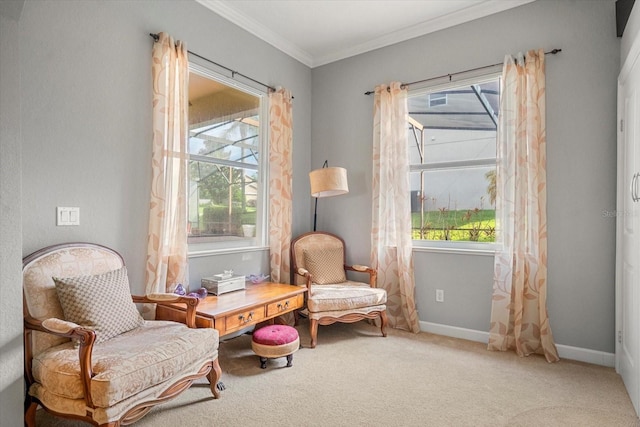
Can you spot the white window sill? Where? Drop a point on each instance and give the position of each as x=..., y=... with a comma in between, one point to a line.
x=224, y=251
x=457, y=249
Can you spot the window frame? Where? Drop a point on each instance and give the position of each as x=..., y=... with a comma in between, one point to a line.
x=449, y=246
x=203, y=246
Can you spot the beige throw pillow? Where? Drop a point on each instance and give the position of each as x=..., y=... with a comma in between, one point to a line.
x=326, y=265
x=101, y=302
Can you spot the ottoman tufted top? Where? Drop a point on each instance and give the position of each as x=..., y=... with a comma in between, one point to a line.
x=275, y=335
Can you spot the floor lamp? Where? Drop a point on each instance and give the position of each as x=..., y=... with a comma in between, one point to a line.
x=326, y=182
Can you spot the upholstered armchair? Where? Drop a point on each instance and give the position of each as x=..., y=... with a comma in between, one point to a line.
x=89, y=354
x=318, y=262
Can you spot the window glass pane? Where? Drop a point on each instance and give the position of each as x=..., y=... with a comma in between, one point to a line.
x=452, y=149
x=456, y=145
x=463, y=128
x=225, y=164
x=458, y=204
x=235, y=140
x=221, y=199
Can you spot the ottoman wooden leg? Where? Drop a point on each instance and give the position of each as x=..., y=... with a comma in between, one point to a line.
x=289, y=360
x=263, y=362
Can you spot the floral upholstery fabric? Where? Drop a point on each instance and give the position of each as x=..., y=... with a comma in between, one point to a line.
x=326, y=265
x=101, y=302
x=78, y=407
x=39, y=290
x=345, y=296
x=126, y=364
x=131, y=371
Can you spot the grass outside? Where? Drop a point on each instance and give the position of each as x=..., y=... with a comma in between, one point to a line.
x=216, y=220
x=463, y=225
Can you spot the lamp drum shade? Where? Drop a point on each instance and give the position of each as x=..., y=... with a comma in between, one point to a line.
x=327, y=182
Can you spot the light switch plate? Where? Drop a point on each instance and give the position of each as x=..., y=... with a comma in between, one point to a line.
x=67, y=216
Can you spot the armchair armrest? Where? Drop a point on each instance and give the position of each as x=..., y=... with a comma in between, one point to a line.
x=373, y=274
x=305, y=273
x=167, y=299
x=62, y=328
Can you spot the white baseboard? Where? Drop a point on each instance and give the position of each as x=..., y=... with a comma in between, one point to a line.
x=454, y=331
x=564, y=351
x=587, y=355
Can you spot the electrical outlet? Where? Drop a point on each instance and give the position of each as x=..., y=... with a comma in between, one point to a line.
x=439, y=295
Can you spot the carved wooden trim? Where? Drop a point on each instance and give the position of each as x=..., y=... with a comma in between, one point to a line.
x=211, y=369
x=347, y=318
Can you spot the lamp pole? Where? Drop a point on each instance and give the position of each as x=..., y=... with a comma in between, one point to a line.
x=315, y=210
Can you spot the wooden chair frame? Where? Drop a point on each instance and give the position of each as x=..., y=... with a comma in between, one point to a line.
x=298, y=271
x=86, y=339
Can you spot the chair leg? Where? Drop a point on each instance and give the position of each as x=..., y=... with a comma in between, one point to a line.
x=383, y=323
x=214, y=379
x=313, y=331
x=30, y=412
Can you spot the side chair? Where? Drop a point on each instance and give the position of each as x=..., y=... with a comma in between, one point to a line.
x=318, y=262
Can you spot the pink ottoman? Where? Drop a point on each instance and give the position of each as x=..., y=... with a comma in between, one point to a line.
x=273, y=341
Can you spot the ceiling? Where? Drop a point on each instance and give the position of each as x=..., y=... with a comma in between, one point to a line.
x=318, y=32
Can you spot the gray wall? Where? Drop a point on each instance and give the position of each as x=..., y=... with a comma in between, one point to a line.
x=11, y=351
x=86, y=103
x=581, y=159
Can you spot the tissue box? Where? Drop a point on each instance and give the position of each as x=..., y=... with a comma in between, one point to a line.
x=220, y=283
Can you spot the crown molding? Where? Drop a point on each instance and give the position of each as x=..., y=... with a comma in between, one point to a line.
x=455, y=18
x=257, y=29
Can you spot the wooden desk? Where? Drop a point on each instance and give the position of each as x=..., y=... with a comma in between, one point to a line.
x=236, y=310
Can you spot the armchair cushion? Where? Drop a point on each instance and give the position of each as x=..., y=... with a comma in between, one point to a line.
x=101, y=302
x=127, y=364
x=326, y=264
x=345, y=296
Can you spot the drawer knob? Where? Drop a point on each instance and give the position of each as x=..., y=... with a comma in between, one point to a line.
x=283, y=307
x=248, y=319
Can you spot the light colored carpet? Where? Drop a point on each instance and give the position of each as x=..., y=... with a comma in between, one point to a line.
x=354, y=377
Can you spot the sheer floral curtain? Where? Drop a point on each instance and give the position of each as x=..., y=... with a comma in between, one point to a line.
x=280, y=183
x=391, y=242
x=519, y=318
x=166, y=263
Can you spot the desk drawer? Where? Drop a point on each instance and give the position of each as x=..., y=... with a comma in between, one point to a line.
x=244, y=319
x=285, y=305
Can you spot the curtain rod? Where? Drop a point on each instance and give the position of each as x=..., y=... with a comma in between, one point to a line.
x=403, y=85
x=233, y=72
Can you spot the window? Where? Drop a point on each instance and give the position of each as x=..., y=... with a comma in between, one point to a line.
x=226, y=164
x=452, y=146
x=438, y=98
